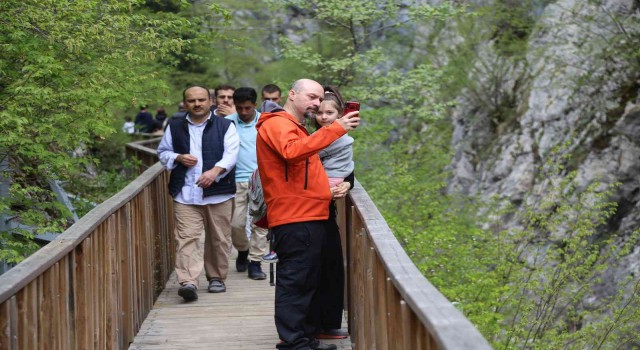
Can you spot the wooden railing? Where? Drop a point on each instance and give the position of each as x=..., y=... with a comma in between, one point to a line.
x=95, y=283
x=391, y=304
x=93, y=286
x=144, y=151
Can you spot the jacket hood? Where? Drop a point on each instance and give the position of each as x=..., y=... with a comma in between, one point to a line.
x=270, y=106
x=270, y=110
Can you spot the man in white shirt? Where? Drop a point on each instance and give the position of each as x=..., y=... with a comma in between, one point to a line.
x=201, y=152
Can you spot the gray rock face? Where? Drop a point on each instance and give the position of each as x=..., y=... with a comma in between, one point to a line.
x=576, y=94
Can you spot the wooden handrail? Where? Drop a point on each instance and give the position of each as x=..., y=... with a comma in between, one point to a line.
x=93, y=285
x=144, y=151
x=391, y=304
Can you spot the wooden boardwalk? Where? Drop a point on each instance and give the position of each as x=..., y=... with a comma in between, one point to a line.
x=241, y=318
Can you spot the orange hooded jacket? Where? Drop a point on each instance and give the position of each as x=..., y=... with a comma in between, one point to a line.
x=295, y=186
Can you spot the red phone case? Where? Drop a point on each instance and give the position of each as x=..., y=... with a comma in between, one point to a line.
x=351, y=106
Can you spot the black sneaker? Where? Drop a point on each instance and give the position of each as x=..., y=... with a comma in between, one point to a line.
x=188, y=292
x=216, y=286
x=241, y=261
x=255, y=271
x=316, y=345
x=326, y=347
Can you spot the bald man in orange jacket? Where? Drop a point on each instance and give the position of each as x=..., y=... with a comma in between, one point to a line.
x=297, y=194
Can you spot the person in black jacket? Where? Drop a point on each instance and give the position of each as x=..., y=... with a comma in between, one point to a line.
x=144, y=120
x=201, y=152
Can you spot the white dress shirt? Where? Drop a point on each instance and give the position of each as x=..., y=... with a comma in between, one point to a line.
x=191, y=193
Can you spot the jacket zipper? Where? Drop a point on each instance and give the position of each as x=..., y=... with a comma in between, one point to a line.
x=306, y=173
x=286, y=172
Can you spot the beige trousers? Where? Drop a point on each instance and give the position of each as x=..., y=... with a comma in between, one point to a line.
x=190, y=221
x=257, y=244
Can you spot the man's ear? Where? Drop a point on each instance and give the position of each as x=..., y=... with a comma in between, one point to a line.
x=292, y=94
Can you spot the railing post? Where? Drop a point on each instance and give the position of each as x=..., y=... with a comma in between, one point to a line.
x=380, y=306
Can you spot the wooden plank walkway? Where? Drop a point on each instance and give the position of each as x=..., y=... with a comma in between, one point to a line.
x=241, y=318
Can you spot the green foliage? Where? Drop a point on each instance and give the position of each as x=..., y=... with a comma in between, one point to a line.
x=487, y=65
x=355, y=38
x=560, y=260
x=107, y=172
x=66, y=66
x=552, y=268
x=532, y=287
x=510, y=23
x=199, y=59
x=536, y=286
x=239, y=49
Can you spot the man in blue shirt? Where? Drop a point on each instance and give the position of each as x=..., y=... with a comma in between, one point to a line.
x=250, y=251
x=201, y=151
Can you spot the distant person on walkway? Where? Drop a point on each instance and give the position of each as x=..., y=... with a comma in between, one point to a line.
x=129, y=126
x=297, y=194
x=251, y=250
x=223, y=95
x=180, y=113
x=201, y=152
x=271, y=92
x=161, y=116
x=144, y=120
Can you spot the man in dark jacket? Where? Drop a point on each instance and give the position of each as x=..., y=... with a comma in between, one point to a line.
x=201, y=152
x=144, y=120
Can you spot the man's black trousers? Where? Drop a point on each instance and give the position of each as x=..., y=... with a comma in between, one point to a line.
x=299, y=249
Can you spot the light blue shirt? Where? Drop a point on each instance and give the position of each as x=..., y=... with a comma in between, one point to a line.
x=247, y=160
x=191, y=194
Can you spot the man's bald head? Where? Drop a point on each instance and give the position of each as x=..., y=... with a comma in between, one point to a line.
x=304, y=98
x=305, y=84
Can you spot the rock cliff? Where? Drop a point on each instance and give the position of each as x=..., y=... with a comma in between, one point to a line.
x=576, y=89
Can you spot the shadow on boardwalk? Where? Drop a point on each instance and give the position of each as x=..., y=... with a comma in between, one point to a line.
x=241, y=318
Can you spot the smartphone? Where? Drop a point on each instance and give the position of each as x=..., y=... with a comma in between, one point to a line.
x=351, y=106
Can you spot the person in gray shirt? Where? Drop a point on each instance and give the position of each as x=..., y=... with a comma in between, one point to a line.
x=337, y=158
